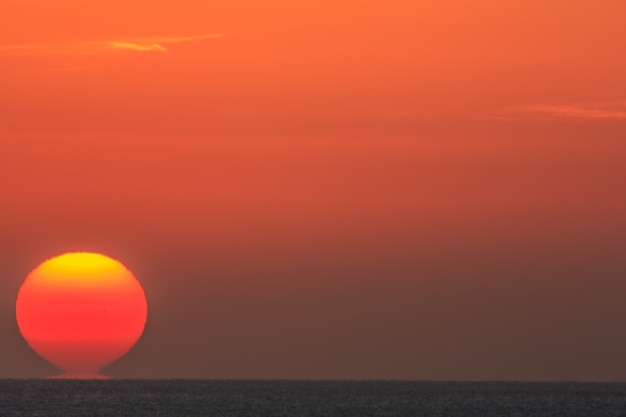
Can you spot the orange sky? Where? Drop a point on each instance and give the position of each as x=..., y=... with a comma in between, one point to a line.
x=398, y=189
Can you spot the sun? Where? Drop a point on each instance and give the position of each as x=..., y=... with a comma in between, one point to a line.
x=81, y=311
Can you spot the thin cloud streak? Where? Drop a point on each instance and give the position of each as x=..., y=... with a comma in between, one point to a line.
x=155, y=44
x=612, y=110
x=138, y=47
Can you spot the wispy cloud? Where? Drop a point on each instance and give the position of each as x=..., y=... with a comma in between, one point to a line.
x=607, y=110
x=155, y=44
x=138, y=46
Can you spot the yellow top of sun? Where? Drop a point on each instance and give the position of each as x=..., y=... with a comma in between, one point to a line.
x=80, y=266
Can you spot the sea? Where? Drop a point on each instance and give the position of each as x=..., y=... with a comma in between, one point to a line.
x=225, y=398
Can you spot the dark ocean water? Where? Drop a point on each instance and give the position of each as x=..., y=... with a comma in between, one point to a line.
x=307, y=398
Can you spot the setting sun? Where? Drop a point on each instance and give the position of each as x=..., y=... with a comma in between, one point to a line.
x=81, y=311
